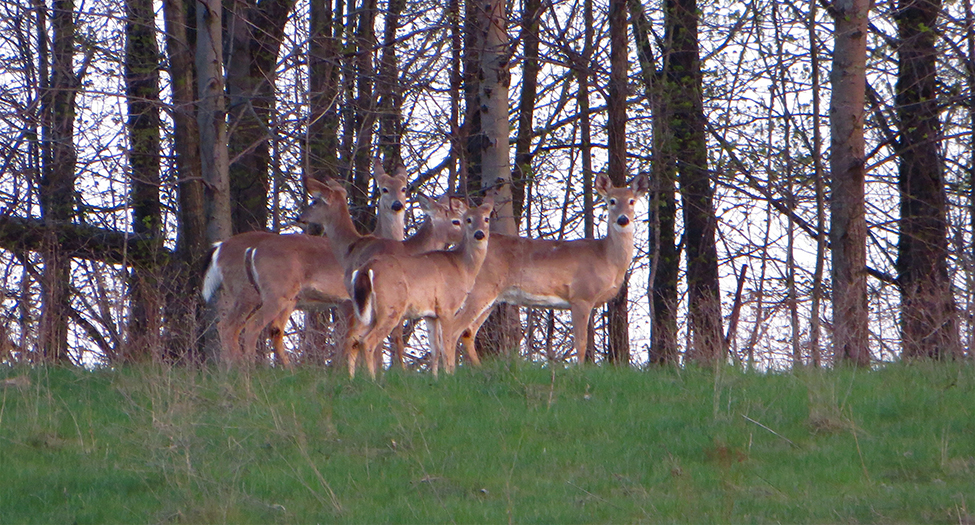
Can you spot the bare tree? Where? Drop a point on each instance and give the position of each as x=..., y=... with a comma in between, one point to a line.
x=682, y=70
x=929, y=321
x=57, y=176
x=618, y=340
x=848, y=228
x=142, y=91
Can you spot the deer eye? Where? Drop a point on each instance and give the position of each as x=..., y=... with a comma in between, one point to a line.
x=385, y=190
x=455, y=222
x=632, y=202
x=612, y=202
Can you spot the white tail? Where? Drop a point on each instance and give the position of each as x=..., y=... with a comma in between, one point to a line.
x=576, y=275
x=432, y=286
x=241, y=307
x=214, y=276
x=363, y=296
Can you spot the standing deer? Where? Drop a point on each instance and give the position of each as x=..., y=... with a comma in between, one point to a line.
x=240, y=299
x=432, y=286
x=576, y=275
x=289, y=269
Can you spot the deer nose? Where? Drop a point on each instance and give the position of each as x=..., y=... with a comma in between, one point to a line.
x=479, y=235
x=397, y=206
x=623, y=220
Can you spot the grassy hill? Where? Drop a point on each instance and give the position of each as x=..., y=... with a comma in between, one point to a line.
x=510, y=442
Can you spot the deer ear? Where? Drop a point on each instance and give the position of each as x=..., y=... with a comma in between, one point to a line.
x=457, y=203
x=400, y=172
x=602, y=184
x=335, y=186
x=315, y=187
x=426, y=204
x=640, y=184
x=377, y=168
x=488, y=204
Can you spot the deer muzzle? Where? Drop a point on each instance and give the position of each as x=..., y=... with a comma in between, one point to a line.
x=623, y=220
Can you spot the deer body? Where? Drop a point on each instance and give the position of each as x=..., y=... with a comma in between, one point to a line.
x=576, y=275
x=432, y=286
x=241, y=300
x=353, y=250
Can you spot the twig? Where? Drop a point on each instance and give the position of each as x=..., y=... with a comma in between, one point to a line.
x=770, y=430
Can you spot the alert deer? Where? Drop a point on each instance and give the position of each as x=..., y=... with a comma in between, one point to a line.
x=353, y=250
x=240, y=299
x=432, y=286
x=576, y=275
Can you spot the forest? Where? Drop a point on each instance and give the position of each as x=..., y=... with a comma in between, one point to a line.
x=809, y=166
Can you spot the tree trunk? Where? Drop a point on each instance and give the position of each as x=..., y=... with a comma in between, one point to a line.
x=183, y=304
x=321, y=142
x=585, y=131
x=489, y=144
x=618, y=340
x=929, y=323
x=664, y=260
x=365, y=116
x=253, y=35
x=57, y=182
x=388, y=91
x=683, y=75
x=816, y=154
x=848, y=227
x=522, y=176
x=142, y=92
x=211, y=119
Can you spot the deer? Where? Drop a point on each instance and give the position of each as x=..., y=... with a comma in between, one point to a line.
x=432, y=286
x=240, y=299
x=293, y=269
x=576, y=275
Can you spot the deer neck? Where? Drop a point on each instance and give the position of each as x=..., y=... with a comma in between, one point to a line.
x=423, y=240
x=390, y=225
x=341, y=231
x=472, y=254
x=619, y=244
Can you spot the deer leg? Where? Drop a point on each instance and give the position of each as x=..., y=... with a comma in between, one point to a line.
x=399, y=346
x=382, y=326
x=234, y=308
x=269, y=311
x=435, y=336
x=344, y=336
x=277, y=337
x=580, y=329
x=468, y=335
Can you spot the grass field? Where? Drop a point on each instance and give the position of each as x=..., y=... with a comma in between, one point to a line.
x=510, y=442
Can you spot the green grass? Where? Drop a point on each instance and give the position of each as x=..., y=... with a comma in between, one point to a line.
x=509, y=442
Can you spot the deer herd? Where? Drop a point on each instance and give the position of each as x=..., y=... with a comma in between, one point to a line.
x=377, y=281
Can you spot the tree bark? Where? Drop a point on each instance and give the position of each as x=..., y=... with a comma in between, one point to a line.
x=848, y=227
x=183, y=312
x=57, y=182
x=490, y=146
x=142, y=92
x=388, y=91
x=253, y=33
x=929, y=323
x=618, y=340
x=664, y=260
x=682, y=71
x=211, y=119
